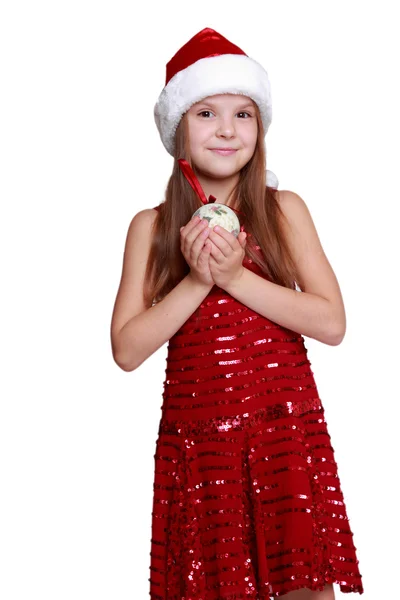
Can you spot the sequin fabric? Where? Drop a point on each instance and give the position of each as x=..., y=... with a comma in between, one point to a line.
x=247, y=498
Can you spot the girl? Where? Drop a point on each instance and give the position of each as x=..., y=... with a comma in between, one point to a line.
x=247, y=498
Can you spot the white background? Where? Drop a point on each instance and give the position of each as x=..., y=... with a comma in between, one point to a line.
x=80, y=156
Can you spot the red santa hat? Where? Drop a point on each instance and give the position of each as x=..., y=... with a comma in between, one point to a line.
x=206, y=65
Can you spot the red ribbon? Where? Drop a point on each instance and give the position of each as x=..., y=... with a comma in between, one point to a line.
x=194, y=182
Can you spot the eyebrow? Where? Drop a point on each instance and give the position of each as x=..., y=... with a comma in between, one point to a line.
x=207, y=103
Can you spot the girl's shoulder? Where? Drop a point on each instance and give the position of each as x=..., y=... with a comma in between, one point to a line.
x=279, y=195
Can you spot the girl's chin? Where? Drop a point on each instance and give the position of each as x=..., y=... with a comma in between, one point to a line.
x=218, y=173
x=218, y=168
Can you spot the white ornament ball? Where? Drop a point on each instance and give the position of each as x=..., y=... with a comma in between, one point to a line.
x=219, y=214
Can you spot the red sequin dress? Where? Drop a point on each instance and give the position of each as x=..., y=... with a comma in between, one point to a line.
x=247, y=498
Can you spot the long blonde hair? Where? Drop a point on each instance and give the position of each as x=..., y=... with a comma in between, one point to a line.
x=166, y=265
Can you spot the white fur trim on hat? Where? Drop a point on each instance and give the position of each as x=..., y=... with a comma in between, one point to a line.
x=226, y=73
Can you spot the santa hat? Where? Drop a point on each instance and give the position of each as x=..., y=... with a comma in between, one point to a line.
x=206, y=65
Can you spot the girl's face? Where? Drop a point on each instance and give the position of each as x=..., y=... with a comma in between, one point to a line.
x=222, y=121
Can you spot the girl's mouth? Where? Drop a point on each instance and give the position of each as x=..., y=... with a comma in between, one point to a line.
x=224, y=152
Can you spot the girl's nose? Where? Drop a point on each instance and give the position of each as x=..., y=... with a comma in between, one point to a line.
x=226, y=128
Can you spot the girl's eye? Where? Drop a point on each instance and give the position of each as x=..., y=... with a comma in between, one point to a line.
x=204, y=111
x=240, y=113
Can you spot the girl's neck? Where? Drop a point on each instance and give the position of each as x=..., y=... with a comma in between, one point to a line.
x=220, y=188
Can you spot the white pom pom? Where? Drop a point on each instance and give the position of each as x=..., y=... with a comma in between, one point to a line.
x=272, y=180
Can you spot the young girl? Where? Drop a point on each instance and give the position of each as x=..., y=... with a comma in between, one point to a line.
x=247, y=498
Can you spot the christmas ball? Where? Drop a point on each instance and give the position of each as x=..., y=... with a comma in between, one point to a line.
x=219, y=214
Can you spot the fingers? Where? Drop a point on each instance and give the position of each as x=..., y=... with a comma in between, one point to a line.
x=224, y=241
x=205, y=252
x=190, y=225
x=193, y=236
x=191, y=230
x=198, y=243
x=242, y=237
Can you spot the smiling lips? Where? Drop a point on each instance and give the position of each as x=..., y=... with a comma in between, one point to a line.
x=224, y=151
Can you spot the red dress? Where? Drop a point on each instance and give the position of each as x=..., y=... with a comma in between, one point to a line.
x=247, y=498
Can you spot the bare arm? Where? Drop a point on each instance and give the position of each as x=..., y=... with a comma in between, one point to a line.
x=303, y=313
x=138, y=330
x=318, y=311
x=148, y=331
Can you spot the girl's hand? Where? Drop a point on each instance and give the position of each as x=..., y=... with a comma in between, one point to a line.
x=193, y=237
x=227, y=254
